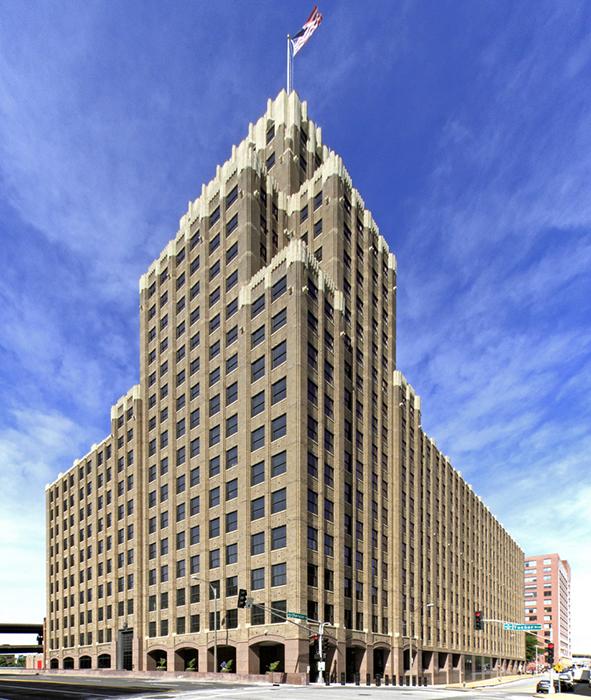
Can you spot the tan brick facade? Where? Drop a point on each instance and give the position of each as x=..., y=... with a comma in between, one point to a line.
x=272, y=445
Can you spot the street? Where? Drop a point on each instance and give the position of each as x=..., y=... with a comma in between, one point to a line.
x=14, y=687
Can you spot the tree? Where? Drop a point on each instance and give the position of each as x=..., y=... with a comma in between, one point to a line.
x=530, y=646
x=7, y=660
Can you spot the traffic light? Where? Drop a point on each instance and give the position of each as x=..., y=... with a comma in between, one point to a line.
x=550, y=653
x=242, y=593
x=478, y=620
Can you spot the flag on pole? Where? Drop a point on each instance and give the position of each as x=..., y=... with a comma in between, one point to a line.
x=310, y=26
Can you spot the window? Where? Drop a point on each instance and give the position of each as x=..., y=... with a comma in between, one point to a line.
x=232, y=363
x=257, y=508
x=279, y=288
x=214, y=558
x=270, y=135
x=214, y=216
x=257, y=543
x=232, y=425
x=312, y=537
x=232, y=553
x=214, y=243
x=257, y=306
x=278, y=320
x=231, y=457
x=232, y=224
x=232, y=196
x=312, y=501
x=230, y=255
x=214, y=435
x=278, y=463
x=214, y=497
x=194, y=534
x=257, y=438
x=232, y=521
x=231, y=489
x=271, y=161
x=257, y=336
x=214, y=527
x=278, y=500
x=214, y=323
x=279, y=354
x=279, y=390
x=257, y=473
x=279, y=574
x=279, y=537
x=257, y=403
x=258, y=369
x=279, y=427
x=278, y=611
x=257, y=579
x=317, y=228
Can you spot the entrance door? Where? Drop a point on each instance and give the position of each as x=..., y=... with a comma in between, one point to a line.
x=125, y=650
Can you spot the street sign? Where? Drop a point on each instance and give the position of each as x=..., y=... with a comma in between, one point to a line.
x=322, y=665
x=298, y=616
x=521, y=628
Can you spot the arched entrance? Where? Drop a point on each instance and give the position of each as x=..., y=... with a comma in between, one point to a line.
x=104, y=661
x=68, y=663
x=226, y=659
x=54, y=663
x=353, y=660
x=314, y=658
x=85, y=662
x=186, y=659
x=380, y=661
x=266, y=656
x=157, y=660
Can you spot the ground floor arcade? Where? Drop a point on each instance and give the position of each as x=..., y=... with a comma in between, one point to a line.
x=294, y=659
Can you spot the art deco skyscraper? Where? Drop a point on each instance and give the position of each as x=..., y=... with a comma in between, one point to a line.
x=272, y=445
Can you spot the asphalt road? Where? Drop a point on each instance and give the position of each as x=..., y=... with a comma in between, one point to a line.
x=13, y=687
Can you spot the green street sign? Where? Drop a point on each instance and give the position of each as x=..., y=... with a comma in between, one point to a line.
x=298, y=616
x=522, y=628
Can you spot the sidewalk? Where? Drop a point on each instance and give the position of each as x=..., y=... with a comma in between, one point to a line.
x=488, y=682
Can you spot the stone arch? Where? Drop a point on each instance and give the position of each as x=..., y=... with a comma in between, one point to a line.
x=68, y=663
x=264, y=654
x=54, y=663
x=85, y=662
x=104, y=661
x=354, y=657
x=381, y=656
x=157, y=660
x=226, y=658
x=186, y=659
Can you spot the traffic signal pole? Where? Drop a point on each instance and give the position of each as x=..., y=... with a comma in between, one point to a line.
x=320, y=649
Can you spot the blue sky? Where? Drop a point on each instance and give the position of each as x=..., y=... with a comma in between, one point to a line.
x=467, y=129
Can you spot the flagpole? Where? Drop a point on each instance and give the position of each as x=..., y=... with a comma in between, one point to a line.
x=289, y=66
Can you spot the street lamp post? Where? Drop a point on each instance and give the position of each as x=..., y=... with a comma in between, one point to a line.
x=214, y=590
x=410, y=636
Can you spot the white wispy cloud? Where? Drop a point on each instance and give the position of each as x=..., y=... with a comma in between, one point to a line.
x=494, y=333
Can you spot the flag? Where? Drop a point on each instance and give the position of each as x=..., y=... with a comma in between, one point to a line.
x=310, y=26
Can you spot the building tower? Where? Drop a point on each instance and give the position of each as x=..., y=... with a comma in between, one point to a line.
x=547, y=601
x=272, y=445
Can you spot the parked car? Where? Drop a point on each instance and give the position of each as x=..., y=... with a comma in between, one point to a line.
x=567, y=685
x=543, y=686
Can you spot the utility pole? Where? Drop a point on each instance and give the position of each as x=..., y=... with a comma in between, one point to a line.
x=321, y=668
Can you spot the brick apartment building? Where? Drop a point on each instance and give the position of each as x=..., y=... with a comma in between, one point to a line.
x=547, y=600
x=273, y=445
